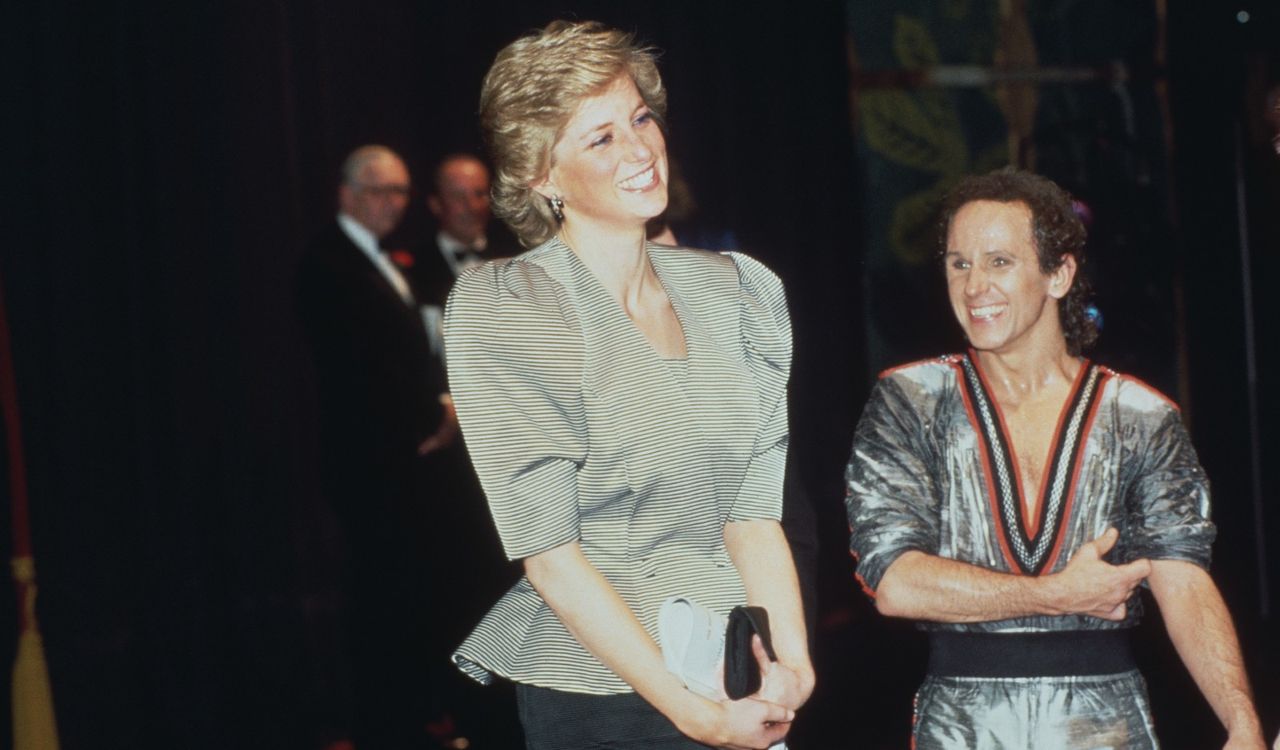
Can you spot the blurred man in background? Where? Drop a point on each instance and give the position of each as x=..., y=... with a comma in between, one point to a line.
x=381, y=414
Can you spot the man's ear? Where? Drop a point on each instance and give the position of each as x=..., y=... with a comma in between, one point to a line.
x=345, y=196
x=433, y=205
x=1061, y=278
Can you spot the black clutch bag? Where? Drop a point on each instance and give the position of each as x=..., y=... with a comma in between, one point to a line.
x=741, y=670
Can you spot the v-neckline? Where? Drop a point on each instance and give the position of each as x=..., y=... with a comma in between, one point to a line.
x=676, y=302
x=1031, y=541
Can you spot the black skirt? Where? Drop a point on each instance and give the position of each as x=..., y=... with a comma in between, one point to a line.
x=558, y=720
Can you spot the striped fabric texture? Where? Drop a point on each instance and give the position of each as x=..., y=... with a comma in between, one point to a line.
x=580, y=431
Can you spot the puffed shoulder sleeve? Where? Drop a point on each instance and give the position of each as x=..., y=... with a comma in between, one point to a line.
x=889, y=494
x=1168, y=503
x=514, y=351
x=766, y=342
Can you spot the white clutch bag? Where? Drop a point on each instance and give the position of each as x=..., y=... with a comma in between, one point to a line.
x=692, y=639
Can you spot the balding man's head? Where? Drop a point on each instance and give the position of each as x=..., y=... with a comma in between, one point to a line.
x=460, y=197
x=374, y=189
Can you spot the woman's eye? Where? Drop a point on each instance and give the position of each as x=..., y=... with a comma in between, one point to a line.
x=999, y=261
x=601, y=141
x=644, y=119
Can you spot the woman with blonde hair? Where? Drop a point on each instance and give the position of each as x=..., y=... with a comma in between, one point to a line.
x=624, y=404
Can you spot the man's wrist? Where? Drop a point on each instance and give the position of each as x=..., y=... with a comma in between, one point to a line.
x=1244, y=724
x=1044, y=593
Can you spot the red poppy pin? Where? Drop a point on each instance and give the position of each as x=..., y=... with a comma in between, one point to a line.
x=401, y=257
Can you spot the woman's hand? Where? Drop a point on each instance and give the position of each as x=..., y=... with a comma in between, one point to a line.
x=760, y=553
x=592, y=611
x=747, y=724
x=780, y=683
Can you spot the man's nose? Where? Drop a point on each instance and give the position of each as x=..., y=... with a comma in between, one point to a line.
x=975, y=282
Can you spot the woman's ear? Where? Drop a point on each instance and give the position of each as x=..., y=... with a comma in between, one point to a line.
x=544, y=186
x=1061, y=278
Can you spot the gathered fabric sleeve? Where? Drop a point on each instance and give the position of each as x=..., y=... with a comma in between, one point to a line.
x=892, y=503
x=515, y=358
x=766, y=342
x=1168, y=503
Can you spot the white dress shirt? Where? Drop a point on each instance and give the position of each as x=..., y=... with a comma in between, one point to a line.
x=368, y=244
x=459, y=255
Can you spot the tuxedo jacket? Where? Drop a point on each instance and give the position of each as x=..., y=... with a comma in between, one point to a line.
x=432, y=277
x=432, y=274
x=379, y=385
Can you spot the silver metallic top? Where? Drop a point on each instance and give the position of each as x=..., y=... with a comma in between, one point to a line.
x=932, y=470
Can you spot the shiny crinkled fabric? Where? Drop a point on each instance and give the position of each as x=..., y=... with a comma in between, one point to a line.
x=920, y=478
x=1044, y=713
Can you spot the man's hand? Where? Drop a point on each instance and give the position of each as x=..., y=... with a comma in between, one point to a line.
x=1092, y=586
x=446, y=433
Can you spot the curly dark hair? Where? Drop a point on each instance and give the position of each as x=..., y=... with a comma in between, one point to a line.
x=1057, y=230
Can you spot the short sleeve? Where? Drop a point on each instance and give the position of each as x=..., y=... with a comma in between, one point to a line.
x=890, y=497
x=515, y=354
x=1168, y=503
x=766, y=342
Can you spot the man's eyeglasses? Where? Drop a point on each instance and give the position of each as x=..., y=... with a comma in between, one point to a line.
x=384, y=191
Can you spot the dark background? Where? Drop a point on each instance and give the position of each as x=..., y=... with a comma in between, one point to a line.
x=165, y=165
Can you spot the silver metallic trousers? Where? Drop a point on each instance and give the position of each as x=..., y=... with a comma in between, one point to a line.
x=1044, y=713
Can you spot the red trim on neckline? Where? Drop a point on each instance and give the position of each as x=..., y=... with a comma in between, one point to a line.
x=1063, y=417
x=1068, y=504
x=988, y=474
x=1032, y=523
x=1008, y=444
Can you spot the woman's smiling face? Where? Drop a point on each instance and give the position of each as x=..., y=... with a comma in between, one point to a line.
x=610, y=163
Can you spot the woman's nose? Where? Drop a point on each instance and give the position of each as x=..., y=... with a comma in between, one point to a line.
x=637, y=148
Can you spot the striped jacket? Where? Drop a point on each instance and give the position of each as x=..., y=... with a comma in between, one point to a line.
x=580, y=431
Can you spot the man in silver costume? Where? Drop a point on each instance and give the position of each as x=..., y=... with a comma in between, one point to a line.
x=1013, y=498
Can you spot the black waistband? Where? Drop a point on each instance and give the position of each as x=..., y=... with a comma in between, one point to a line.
x=1072, y=653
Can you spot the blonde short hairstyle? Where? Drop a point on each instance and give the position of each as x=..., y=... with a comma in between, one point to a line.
x=533, y=88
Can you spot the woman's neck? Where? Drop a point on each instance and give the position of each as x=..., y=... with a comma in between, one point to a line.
x=616, y=258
